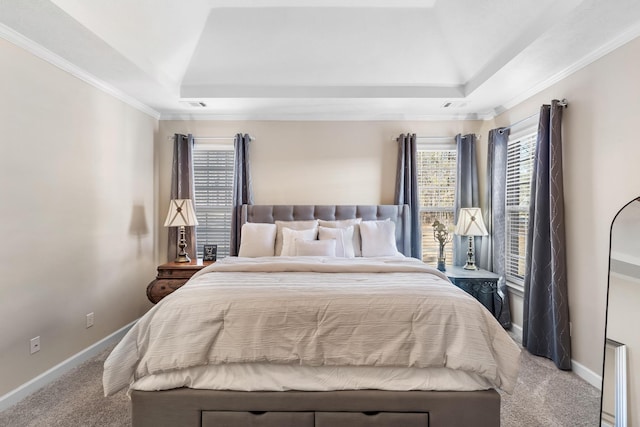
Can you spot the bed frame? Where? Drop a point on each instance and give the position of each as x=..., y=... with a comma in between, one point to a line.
x=357, y=408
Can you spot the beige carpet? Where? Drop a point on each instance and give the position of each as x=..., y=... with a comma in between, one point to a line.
x=544, y=396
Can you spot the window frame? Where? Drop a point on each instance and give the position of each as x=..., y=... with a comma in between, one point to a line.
x=448, y=147
x=223, y=249
x=528, y=134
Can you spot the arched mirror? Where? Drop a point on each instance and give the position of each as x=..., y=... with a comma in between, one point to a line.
x=621, y=376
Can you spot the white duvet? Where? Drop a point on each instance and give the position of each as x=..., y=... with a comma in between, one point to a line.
x=317, y=315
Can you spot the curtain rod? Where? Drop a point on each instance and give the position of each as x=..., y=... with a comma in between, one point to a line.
x=213, y=138
x=219, y=138
x=564, y=103
x=435, y=137
x=439, y=138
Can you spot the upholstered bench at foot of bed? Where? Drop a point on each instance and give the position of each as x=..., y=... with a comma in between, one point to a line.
x=361, y=408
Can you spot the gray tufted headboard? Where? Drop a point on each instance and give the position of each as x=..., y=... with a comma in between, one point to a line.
x=396, y=213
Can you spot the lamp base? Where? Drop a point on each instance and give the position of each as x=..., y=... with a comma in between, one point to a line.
x=471, y=259
x=469, y=266
x=182, y=258
x=182, y=254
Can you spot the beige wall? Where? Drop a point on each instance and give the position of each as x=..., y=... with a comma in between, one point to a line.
x=601, y=175
x=309, y=162
x=76, y=164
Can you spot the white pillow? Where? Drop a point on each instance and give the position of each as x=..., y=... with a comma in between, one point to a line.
x=294, y=225
x=316, y=248
x=378, y=238
x=343, y=238
x=257, y=239
x=344, y=223
x=289, y=237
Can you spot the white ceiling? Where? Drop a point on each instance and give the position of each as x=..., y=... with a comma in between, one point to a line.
x=314, y=59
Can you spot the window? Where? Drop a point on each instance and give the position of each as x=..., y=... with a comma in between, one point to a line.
x=213, y=167
x=520, y=161
x=437, y=190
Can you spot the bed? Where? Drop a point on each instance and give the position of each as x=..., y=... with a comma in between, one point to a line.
x=317, y=340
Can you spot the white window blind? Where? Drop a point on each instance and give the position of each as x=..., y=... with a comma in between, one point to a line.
x=520, y=162
x=437, y=190
x=213, y=168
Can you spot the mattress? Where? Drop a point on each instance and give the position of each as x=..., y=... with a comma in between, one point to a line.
x=313, y=323
x=274, y=377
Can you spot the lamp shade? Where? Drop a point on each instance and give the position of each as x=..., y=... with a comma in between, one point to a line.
x=181, y=213
x=470, y=223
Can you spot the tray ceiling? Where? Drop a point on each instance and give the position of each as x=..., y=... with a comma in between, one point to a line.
x=351, y=60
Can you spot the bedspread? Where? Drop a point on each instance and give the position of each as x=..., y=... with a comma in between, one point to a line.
x=313, y=311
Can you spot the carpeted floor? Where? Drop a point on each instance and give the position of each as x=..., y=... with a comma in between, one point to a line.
x=544, y=396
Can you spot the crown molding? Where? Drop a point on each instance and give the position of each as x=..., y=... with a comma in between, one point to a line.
x=592, y=57
x=41, y=52
x=355, y=117
x=34, y=48
x=396, y=4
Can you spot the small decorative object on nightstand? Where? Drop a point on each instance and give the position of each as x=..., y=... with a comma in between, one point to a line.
x=442, y=236
x=481, y=284
x=470, y=224
x=209, y=252
x=172, y=276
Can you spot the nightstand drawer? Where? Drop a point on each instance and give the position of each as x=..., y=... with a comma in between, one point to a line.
x=481, y=284
x=177, y=273
x=159, y=289
x=171, y=276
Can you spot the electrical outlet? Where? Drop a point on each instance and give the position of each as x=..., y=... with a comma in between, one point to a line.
x=35, y=345
x=90, y=320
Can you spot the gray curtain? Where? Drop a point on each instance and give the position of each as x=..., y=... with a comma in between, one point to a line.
x=182, y=188
x=466, y=194
x=546, y=306
x=242, y=191
x=494, y=245
x=407, y=188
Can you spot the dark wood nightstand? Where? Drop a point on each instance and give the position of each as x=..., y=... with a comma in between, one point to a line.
x=171, y=276
x=482, y=284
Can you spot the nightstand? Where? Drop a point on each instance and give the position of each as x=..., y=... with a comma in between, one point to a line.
x=171, y=276
x=481, y=284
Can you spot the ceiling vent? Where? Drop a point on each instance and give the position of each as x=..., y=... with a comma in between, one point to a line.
x=194, y=104
x=454, y=104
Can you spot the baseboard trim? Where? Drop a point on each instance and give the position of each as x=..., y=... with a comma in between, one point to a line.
x=586, y=374
x=579, y=369
x=62, y=368
x=517, y=331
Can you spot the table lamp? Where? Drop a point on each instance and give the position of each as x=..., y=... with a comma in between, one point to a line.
x=470, y=224
x=181, y=214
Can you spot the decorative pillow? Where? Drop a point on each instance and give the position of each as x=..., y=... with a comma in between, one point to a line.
x=316, y=248
x=294, y=225
x=378, y=238
x=344, y=223
x=343, y=238
x=289, y=237
x=257, y=239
